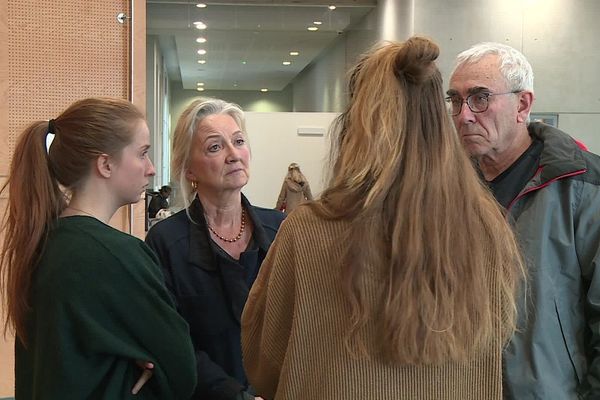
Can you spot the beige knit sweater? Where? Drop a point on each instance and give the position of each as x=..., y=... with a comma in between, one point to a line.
x=294, y=322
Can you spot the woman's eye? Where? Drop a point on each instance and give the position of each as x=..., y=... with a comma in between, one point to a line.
x=240, y=141
x=213, y=148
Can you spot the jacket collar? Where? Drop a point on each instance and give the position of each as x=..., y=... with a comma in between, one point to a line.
x=201, y=253
x=560, y=156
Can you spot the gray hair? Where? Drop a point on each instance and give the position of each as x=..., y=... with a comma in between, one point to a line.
x=513, y=65
x=183, y=135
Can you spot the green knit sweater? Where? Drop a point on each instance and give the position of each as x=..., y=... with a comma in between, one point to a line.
x=295, y=320
x=98, y=305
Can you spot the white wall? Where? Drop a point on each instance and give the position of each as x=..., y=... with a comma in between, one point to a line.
x=275, y=144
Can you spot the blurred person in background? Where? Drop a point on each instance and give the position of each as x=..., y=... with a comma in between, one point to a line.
x=160, y=201
x=294, y=191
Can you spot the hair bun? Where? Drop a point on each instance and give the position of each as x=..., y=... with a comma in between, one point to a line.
x=415, y=60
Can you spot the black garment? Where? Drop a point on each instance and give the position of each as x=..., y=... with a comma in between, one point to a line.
x=510, y=182
x=210, y=289
x=157, y=203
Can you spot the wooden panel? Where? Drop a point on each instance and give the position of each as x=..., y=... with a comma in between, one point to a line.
x=138, y=95
x=6, y=342
x=4, y=152
x=61, y=51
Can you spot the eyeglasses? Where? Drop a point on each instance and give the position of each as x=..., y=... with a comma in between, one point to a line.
x=477, y=102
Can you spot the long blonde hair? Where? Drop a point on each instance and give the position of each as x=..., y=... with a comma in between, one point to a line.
x=37, y=177
x=419, y=213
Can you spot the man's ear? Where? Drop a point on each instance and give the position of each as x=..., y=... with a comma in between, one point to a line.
x=525, y=104
x=104, y=165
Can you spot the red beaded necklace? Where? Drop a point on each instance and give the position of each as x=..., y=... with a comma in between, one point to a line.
x=239, y=235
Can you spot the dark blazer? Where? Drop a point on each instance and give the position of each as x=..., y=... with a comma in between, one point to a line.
x=210, y=292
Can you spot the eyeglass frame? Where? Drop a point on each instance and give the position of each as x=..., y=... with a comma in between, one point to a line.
x=448, y=99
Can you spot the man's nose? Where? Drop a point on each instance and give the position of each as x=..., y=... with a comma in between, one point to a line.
x=465, y=116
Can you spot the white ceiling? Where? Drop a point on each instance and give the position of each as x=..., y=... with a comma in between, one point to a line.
x=259, y=33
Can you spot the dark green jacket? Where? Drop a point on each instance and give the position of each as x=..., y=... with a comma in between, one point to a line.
x=555, y=354
x=100, y=304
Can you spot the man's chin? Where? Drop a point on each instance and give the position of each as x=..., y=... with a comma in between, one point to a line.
x=473, y=149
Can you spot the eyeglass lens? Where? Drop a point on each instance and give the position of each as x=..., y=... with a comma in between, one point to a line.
x=477, y=103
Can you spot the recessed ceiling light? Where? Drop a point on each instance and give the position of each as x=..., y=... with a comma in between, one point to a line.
x=201, y=5
x=235, y=85
x=200, y=89
x=201, y=61
x=200, y=25
x=243, y=62
x=200, y=83
x=201, y=39
x=294, y=53
x=286, y=62
x=201, y=52
x=312, y=28
x=317, y=22
x=331, y=7
x=264, y=90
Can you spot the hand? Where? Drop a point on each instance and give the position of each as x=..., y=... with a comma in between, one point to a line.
x=258, y=398
x=147, y=368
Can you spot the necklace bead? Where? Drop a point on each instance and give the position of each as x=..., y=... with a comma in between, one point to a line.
x=239, y=235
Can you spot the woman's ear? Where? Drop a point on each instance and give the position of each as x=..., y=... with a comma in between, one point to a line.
x=104, y=165
x=189, y=176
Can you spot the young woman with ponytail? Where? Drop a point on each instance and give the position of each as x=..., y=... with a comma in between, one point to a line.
x=86, y=301
x=400, y=281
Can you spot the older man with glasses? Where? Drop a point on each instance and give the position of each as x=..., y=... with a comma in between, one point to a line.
x=550, y=188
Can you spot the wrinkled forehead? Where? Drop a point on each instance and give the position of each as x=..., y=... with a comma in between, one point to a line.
x=217, y=124
x=484, y=73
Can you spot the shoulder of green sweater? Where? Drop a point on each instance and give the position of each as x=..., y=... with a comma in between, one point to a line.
x=88, y=239
x=89, y=227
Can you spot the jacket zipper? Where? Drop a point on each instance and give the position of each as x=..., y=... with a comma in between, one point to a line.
x=521, y=195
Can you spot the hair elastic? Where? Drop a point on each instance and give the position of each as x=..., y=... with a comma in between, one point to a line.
x=50, y=135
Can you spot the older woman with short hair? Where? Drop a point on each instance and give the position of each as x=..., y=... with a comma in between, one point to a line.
x=212, y=250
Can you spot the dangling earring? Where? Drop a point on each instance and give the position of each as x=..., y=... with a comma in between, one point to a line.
x=194, y=185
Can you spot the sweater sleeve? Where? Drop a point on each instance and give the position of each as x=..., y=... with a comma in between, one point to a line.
x=110, y=311
x=268, y=315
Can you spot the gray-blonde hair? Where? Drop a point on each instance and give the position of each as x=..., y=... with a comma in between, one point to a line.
x=183, y=135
